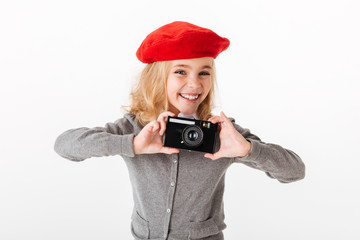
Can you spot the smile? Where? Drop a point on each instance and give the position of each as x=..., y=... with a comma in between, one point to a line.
x=190, y=96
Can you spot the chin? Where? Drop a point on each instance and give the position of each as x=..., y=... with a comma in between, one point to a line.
x=188, y=112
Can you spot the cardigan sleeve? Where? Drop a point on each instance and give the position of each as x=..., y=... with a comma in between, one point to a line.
x=82, y=143
x=276, y=161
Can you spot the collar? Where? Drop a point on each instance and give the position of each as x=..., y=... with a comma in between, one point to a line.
x=191, y=116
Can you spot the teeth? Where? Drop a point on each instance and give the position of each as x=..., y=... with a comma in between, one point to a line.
x=190, y=97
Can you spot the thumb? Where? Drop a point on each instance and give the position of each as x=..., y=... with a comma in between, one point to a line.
x=212, y=156
x=226, y=119
x=150, y=128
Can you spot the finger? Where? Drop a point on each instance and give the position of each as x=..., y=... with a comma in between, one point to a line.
x=226, y=119
x=219, y=128
x=210, y=118
x=150, y=126
x=155, y=126
x=168, y=150
x=216, y=119
x=162, y=126
x=164, y=115
x=162, y=119
x=149, y=129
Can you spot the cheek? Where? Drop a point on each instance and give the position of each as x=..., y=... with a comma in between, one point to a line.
x=171, y=90
x=172, y=86
x=207, y=86
x=168, y=87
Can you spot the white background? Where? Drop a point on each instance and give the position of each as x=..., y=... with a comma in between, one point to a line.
x=290, y=75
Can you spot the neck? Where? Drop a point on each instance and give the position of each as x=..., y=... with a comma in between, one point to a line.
x=191, y=116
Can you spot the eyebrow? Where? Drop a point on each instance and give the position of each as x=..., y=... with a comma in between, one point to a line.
x=188, y=66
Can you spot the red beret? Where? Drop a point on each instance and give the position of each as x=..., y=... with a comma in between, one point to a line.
x=181, y=40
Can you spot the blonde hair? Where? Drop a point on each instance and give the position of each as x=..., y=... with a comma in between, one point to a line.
x=149, y=95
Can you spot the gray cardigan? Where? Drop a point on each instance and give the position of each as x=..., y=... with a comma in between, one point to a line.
x=177, y=196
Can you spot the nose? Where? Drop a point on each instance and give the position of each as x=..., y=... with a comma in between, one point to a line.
x=193, y=82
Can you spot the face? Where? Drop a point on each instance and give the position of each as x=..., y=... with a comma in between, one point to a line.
x=188, y=84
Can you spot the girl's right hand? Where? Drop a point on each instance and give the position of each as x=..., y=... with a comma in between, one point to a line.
x=149, y=140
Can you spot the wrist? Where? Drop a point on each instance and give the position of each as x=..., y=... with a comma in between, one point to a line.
x=135, y=148
x=245, y=149
x=248, y=149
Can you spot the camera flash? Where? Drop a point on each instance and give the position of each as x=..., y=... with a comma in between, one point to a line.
x=206, y=125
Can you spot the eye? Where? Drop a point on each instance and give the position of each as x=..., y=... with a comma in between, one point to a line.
x=204, y=73
x=181, y=72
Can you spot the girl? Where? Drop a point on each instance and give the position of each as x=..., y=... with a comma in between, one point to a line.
x=178, y=194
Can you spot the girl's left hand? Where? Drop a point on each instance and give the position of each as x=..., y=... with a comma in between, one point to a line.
x=232, y=143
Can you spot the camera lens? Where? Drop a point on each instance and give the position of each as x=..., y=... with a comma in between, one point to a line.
x=193, y=136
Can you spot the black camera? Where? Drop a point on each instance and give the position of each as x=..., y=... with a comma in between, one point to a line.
x=191, y=134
